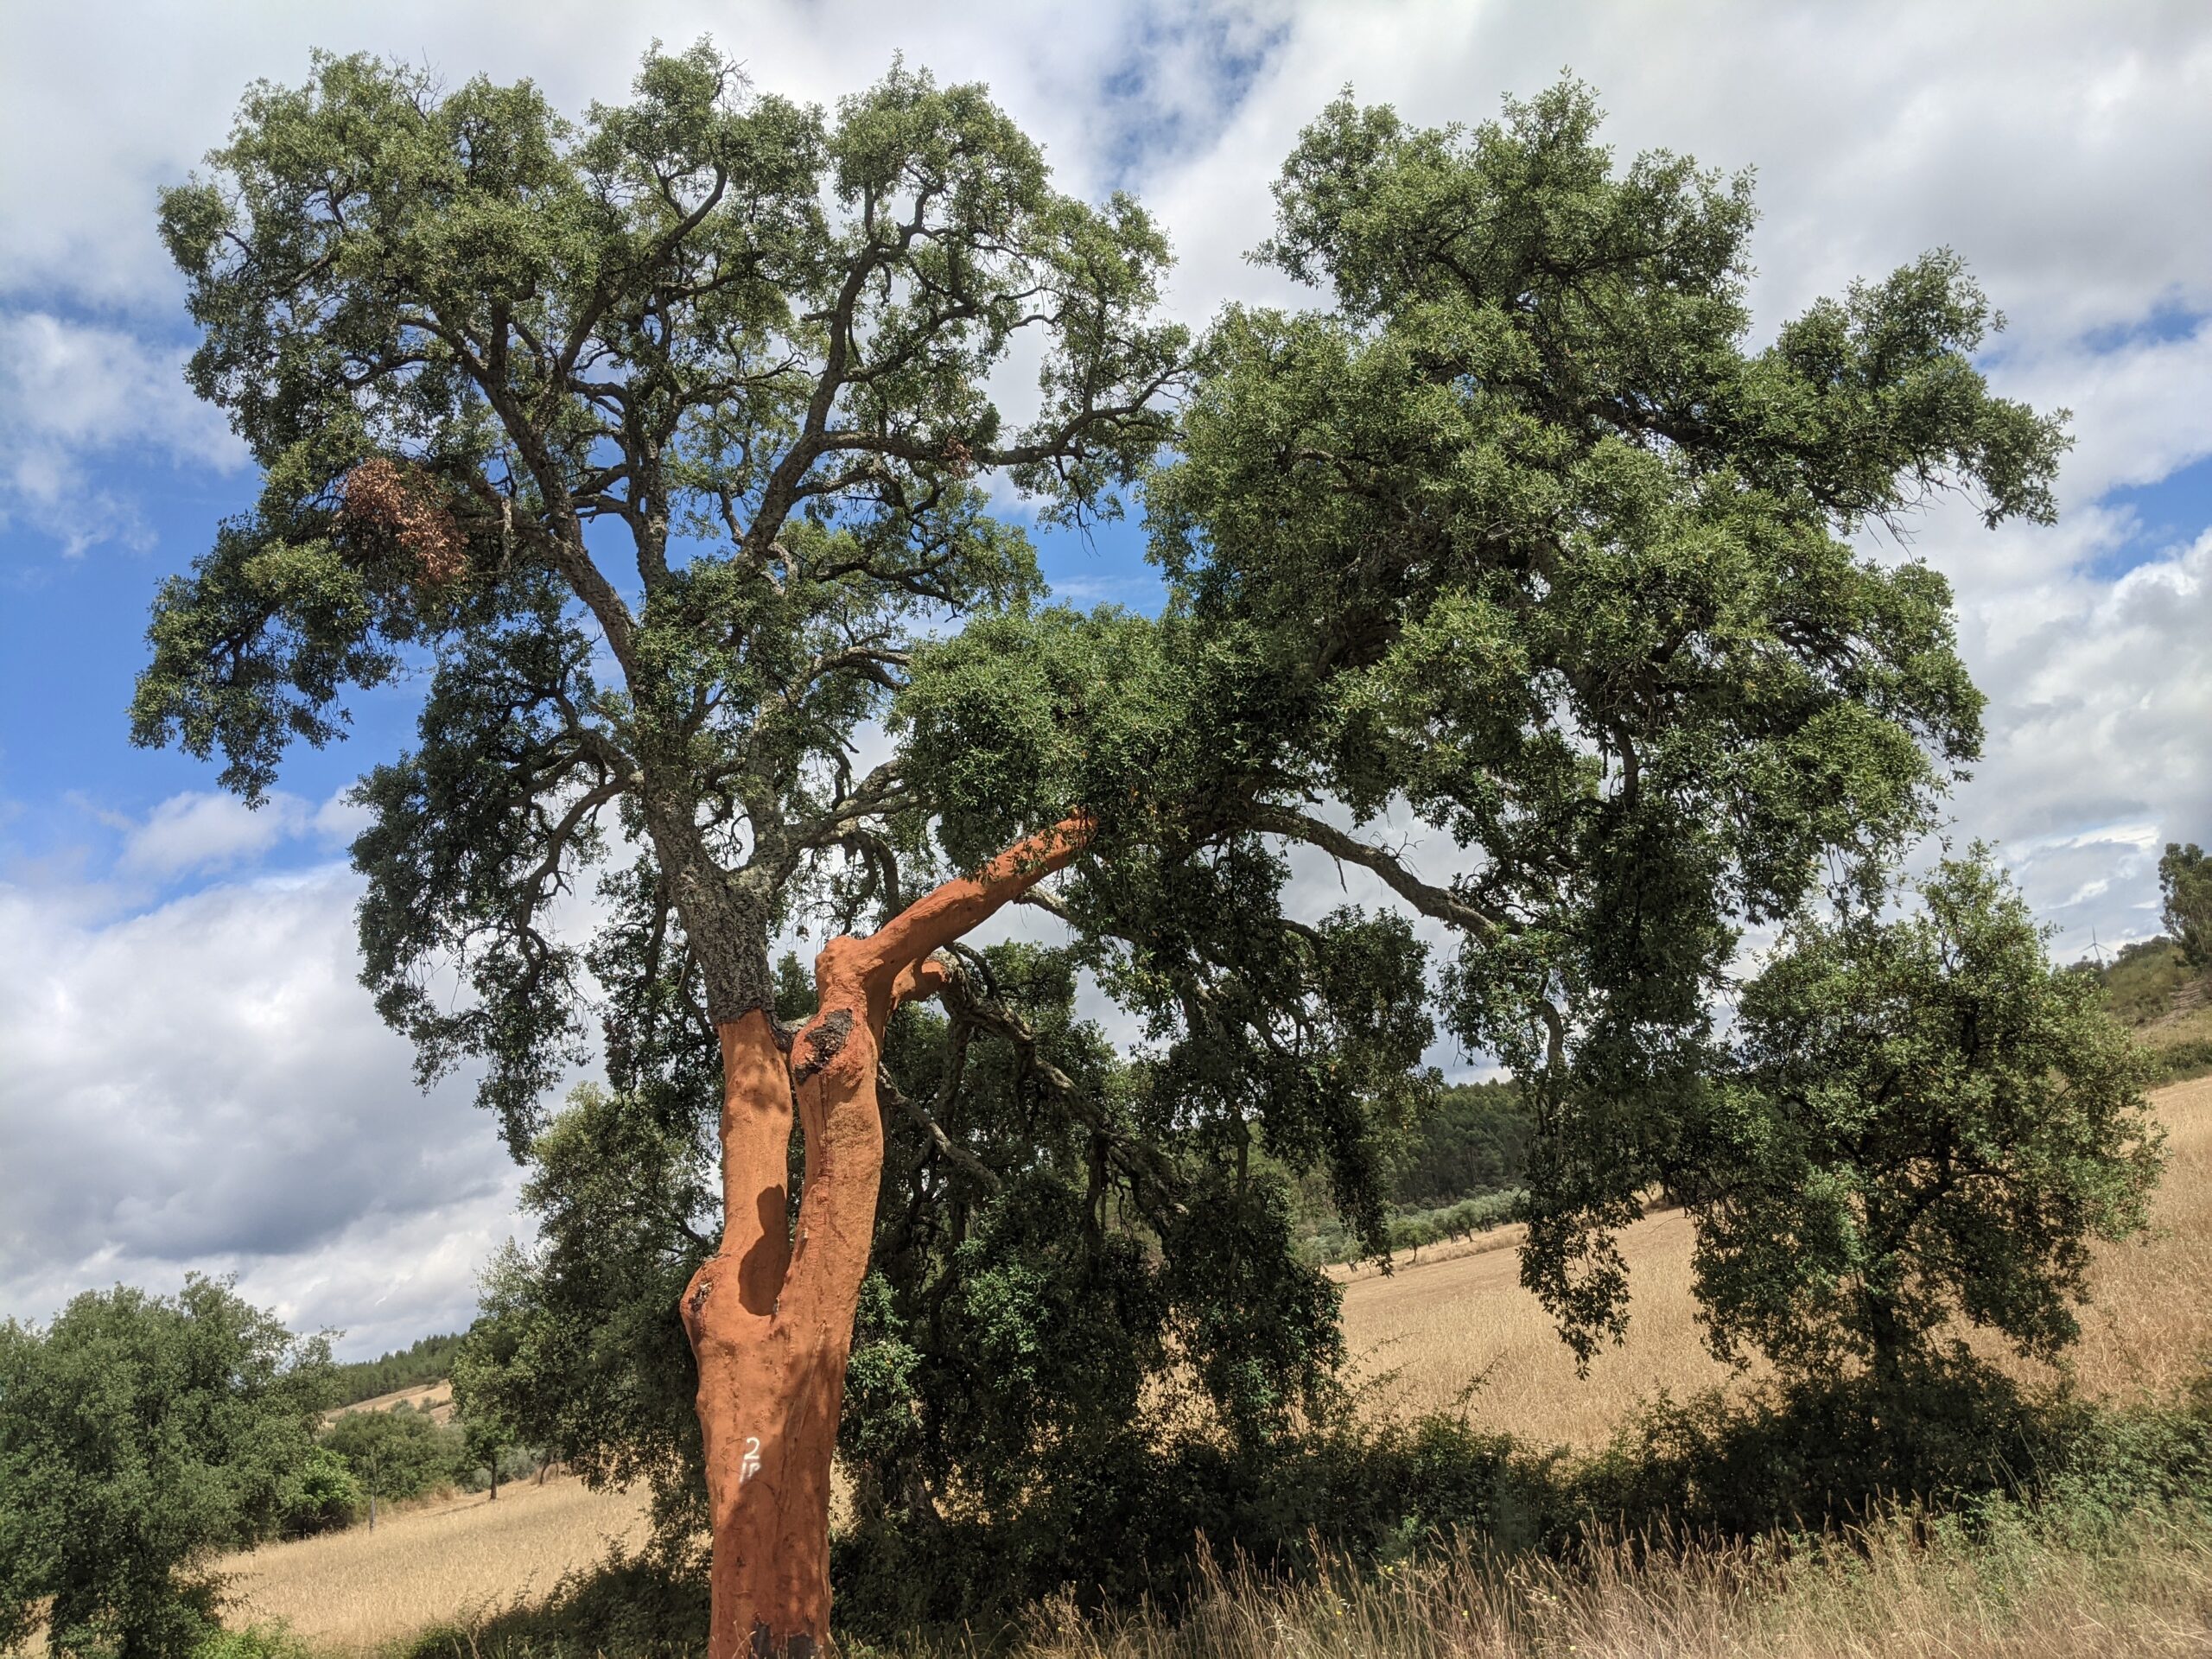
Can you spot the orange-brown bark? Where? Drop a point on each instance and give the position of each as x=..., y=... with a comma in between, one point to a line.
x=770, y=1314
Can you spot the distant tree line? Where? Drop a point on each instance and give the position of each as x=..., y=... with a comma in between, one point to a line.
x=1459, y=1172
x=429, y=1360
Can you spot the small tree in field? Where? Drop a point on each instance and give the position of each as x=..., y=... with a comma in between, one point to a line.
x=1925, y=1122
x=140, y=1437
x=2185, y=883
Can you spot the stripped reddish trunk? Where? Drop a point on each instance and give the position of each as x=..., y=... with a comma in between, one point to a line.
x=770, y=1316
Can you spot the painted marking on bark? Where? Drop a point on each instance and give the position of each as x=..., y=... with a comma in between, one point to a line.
x=749, y=1464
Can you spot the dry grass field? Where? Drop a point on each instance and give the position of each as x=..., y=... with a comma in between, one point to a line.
x=445, y=1559
x=1422, y=1333
x=435, y=1400
x=2144, y=1592
x=1456, y=1328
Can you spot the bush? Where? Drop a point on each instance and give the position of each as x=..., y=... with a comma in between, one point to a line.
x=141, y=1436
x=254, y=1641
x=322, y=1497
x=1814, y=1458
x=398, y=1453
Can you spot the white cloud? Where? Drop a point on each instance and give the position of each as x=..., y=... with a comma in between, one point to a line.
x=2099, y=704
x=206, y=1086
x=2139, y=409
x=204, y=829
x=71, y=392
x=209, y=829
x=2050, y=144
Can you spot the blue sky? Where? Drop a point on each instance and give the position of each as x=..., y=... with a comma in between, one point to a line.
x=184, y=1035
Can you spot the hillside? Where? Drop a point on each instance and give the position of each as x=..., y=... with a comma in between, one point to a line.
x=1422, y=1335
x=2153, y=990
x=434, y=1400
x=427, y=1360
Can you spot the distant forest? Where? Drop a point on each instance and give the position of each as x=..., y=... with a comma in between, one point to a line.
x=430, y=1360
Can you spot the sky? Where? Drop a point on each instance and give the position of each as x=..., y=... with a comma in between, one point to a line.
x=191, y=1077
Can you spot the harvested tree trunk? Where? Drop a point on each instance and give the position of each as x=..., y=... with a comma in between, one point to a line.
x=769, y=1315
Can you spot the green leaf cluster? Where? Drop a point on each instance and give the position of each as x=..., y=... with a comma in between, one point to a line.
x=400, y=1452
x=2185, y=883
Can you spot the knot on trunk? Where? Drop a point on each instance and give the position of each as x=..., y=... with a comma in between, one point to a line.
x=824, y=1043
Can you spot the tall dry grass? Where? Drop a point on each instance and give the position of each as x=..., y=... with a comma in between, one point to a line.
x=1904, y=1588
x=1432, y=1330
x=437, y=1562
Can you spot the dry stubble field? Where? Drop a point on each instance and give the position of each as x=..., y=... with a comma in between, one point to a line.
x=441, y=1559
x=1427, y=1331
x=1422, y=1334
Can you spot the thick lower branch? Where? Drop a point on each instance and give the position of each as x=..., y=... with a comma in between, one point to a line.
x=952, y=1150
x=1439, y=903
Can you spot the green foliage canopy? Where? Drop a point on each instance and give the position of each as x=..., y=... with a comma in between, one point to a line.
x=1519, y=539
x=141, y=1436
x=400, y=1452
x=657, y=434
x=1474, y=1141
x=2185, y=883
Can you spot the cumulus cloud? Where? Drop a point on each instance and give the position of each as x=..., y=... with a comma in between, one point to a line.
x=206, y=1086
x=2047, y=144
x=73, y=392
x=2100, y=702
x=202, y=830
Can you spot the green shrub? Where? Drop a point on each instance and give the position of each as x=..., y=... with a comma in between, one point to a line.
x=254, y=1641
x=2176, y=1061
x=1954, y=1438
x=140, y=1437
x=398, y=1453
x=322, y=1497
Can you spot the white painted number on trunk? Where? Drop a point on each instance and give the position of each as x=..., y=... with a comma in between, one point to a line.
x=749, y=1465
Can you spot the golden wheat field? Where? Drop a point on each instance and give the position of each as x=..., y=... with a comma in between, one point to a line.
x=1421, y=1335
x=1427, y=1331
x=442, y=1560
